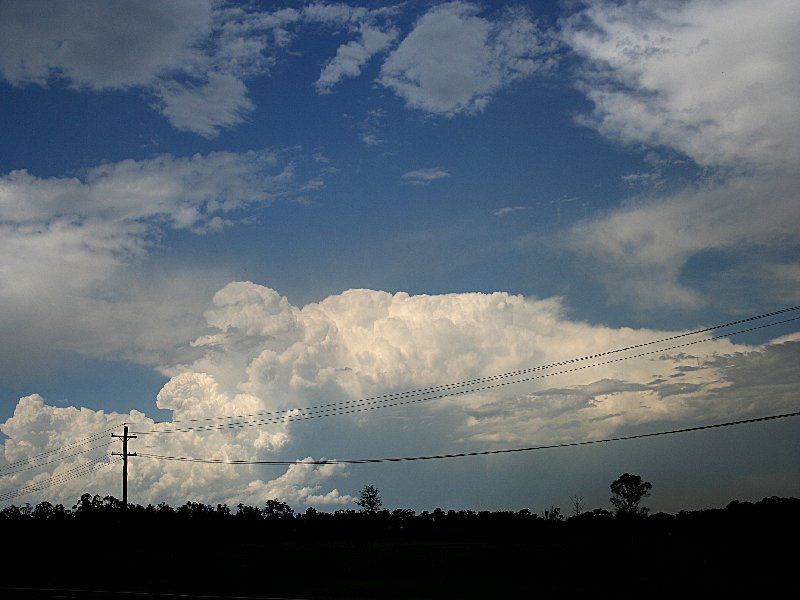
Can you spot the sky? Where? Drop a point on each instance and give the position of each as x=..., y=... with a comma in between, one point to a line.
x=216, y=209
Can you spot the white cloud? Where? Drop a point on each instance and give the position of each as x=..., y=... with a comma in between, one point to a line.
x=155, y=47
x=81, y=229
x=641, y=250
x=68, y=248
x=714, y=80
x=370, y=139
x=453, y=60
x=38, y=428
x=219, y=102
x=179, y=192
x=644, y=179
x=333, y=14
x=507, y=210
x=352, y=56
x=423, y=176
x=301, y=484
x=263, y=354
x=97, y=45
x=371, y=126
x=364, y=343
x=717, y=81
x=194, y=58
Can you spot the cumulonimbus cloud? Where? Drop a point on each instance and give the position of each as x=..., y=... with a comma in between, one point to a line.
x=269, y=359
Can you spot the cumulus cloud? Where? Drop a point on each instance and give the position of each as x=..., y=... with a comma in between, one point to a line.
x=423, y=176
x=271, y=360
x=96, y=45
x=195, y=58
x=454, y=60
x=300, y=484
x=192, y=58
x=36, y=429
x=714, y=80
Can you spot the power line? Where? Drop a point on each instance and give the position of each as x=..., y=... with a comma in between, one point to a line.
x=68, y=475
x=21, y=469
x=18, y=465
x=74, y=473
x=360, y=461
x=350, y=407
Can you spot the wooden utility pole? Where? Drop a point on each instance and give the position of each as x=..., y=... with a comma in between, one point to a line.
x=124, y=454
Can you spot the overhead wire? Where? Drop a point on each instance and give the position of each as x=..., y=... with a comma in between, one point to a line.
x=57, y=455
x=360, y=461
x=68, y=475
x=21, y=469
x=31, y=461
x=476, y=381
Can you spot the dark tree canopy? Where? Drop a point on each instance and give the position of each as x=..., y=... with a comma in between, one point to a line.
x=369, y=499
x=277, y=509
x=629, y=490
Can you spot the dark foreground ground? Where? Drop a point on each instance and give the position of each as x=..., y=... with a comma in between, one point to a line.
x=716, y=554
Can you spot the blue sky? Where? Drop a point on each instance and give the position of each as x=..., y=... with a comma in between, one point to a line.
x=221, y=208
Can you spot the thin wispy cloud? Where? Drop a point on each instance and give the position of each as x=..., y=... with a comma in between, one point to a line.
x=507, y=210
x=371, y=140
x=425, y=176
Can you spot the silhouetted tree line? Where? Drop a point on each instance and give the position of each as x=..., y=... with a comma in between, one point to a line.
x=279, y=517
